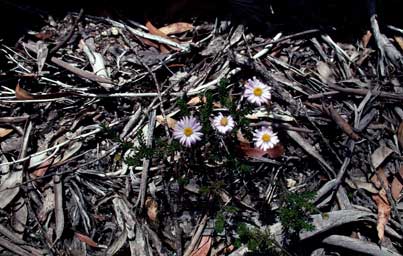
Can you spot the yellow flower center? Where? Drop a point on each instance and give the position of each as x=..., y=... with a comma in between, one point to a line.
x=258, y=91
x=188, y=131
x=266, y=137
x=224, y=121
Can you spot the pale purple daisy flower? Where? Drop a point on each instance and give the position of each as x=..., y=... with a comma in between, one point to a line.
x=257, y=92
x=265, y=138
x=187, y=131
x=223, y=124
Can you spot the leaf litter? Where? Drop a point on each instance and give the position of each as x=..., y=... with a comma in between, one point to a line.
x=89, y=165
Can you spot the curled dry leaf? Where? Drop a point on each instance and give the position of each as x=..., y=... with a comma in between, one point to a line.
x=176, y=28
x=152, y=208
x=380, y=181
x=383, y=213
x=22, y=94
x=203, y=248
x=86, y=239
x=400, y=135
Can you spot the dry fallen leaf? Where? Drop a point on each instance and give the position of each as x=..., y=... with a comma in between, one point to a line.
x=4, y=132
x=400, y=135
x=42, y=168
x=399, y=41
x=241, y=138
x=44, y=35
x=383, y=213
x=22, y=94
x=86, y=239
x=203, y=248
x=176, y=28
x=169, y=121
x=249, y=151
x=325, y=72
x=152, y=208
x=365, y=38
x=155, y=31
x=197, y=100
x=397, y=184
x=379, y=155
x=380, y=181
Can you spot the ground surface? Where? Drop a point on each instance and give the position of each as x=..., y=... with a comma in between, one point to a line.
x=90, y=166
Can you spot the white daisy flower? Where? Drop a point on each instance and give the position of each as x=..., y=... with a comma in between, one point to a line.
x=223, y=124
x=265, y=138
x=187, y=131
x=257, y=92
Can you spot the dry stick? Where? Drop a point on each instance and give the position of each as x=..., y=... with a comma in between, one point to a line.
x=196, y=236
x=358, y=245
x=282, y=126
x=363, y=92
x=146, y=161
x=157, y=85
x=29, y=185
x=16, y=119
x=311, y=151
x=343, y=168
x=13, y=247
x=285, y=38
x=68, y=36
x=341, y=122
x=79, y=72
x=95, y=131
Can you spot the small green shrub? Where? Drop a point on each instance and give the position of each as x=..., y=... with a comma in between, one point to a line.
x=295, y=212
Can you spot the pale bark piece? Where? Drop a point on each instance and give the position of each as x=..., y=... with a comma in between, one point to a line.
x=9, y=186
x=59, y=214
x=326, y=221
x=379, y=155
x=364, y=247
